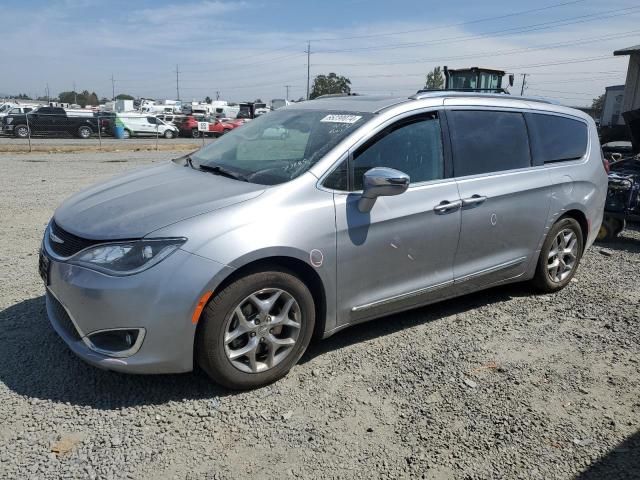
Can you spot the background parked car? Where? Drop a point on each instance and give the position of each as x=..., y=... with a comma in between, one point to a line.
x=49, y=120
x=143, y=125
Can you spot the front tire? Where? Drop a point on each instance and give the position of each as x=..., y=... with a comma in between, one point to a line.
x=168, y=134
x=560, y=256
x=195, y=133
x=84, y=132
x=256, y=329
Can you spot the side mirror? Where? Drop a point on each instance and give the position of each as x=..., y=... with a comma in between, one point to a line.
x=511, y=79
x=381, y=182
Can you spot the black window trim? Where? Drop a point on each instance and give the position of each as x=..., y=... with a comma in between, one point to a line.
x=405, y=117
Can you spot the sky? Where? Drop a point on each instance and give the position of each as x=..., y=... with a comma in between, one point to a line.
x=249, y=49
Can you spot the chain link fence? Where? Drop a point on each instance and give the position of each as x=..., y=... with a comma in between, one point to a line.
x=50, y=128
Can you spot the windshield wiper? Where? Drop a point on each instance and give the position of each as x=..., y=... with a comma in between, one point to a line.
x=220, y=170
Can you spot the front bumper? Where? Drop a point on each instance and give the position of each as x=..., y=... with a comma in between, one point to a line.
x=160, y=300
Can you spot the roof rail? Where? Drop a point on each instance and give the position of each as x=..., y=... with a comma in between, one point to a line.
x=422, y=94
x=334, y=95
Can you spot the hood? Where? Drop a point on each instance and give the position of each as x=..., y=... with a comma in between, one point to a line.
x=137, y=203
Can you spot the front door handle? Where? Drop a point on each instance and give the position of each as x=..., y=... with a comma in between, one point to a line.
x=445, y=206
x=473, y=200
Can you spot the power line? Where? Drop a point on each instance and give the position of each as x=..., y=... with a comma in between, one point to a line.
x=486, y=19
x=504, y=32
x=581, y=41
x=524, y=83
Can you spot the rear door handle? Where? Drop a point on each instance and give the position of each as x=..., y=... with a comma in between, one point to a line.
x=445, y=206
x=473, y=200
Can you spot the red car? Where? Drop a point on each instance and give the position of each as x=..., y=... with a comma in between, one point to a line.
x=224, y=125
x=217, y=127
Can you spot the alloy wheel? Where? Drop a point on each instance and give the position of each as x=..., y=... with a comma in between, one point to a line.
x=563, y=255
x=262, y=330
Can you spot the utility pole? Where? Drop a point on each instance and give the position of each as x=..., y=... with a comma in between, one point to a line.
x=287, y=87
x=113, y=88
x=524, y=83
x=217, y=94
x=178, y=82
x=75, y=94
x=48, y=100
x=308, y=67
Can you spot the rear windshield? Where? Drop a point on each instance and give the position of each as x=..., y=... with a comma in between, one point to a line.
x=280, y=146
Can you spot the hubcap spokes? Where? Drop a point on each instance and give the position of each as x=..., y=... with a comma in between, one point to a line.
x=262, y=330
x=562, y=256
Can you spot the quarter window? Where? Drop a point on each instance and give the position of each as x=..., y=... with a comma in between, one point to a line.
x=555, y=138
x=488, y=141
x=412, y=146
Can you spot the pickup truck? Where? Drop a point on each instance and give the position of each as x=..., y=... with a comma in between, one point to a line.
x=49, y=120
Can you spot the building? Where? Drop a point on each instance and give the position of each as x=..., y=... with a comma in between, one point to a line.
x=612, y=106
x=632, y=86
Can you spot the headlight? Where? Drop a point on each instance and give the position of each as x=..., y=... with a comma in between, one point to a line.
x=127, y=258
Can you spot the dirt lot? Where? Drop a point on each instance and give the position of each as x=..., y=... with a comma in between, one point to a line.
x=11, y=144
x=500, y=384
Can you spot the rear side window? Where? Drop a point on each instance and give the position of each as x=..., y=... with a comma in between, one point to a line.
x=556, y=139
x=488, y=141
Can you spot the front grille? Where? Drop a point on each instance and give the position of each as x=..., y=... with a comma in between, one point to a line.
x=70, y=243
x=62, y=317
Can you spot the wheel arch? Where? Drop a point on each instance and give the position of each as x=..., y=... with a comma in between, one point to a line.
x=295, y=265
x=581, y=218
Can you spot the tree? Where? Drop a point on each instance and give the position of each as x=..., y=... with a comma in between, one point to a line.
x=435, y=79
x=598, y=105
x=124, y=96
x=67, y=97
x=330, y=84
x=208, y=100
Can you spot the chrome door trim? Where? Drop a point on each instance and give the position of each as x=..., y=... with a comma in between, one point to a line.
x=401, y=296
x=495, y=268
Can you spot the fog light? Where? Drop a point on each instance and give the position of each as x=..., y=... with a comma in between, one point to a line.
x=116, y=342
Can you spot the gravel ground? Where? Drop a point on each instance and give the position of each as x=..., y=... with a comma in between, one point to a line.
x=500, y=384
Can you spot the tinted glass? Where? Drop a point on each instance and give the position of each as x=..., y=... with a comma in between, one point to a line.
x=280, y=146
x=488, y=141
x=413, y=147
x=338, y=179
x=554, y=139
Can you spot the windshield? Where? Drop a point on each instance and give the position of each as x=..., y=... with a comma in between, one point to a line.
x=280, y=146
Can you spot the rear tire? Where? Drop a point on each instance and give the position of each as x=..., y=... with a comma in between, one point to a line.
x=126, y=134
x=21, y=131
x=275, y=333
x=195, y=133
x=560, y=256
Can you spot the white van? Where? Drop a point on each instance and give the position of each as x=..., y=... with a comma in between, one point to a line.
x=143, y=125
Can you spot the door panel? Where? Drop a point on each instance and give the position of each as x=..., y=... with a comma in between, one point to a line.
x=398, y=255
x=505, y=199
x=499, y=234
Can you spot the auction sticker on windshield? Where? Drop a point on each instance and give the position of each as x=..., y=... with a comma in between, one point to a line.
x=341, y=118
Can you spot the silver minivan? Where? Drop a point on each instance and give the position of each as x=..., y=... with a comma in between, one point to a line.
x=234, y=257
